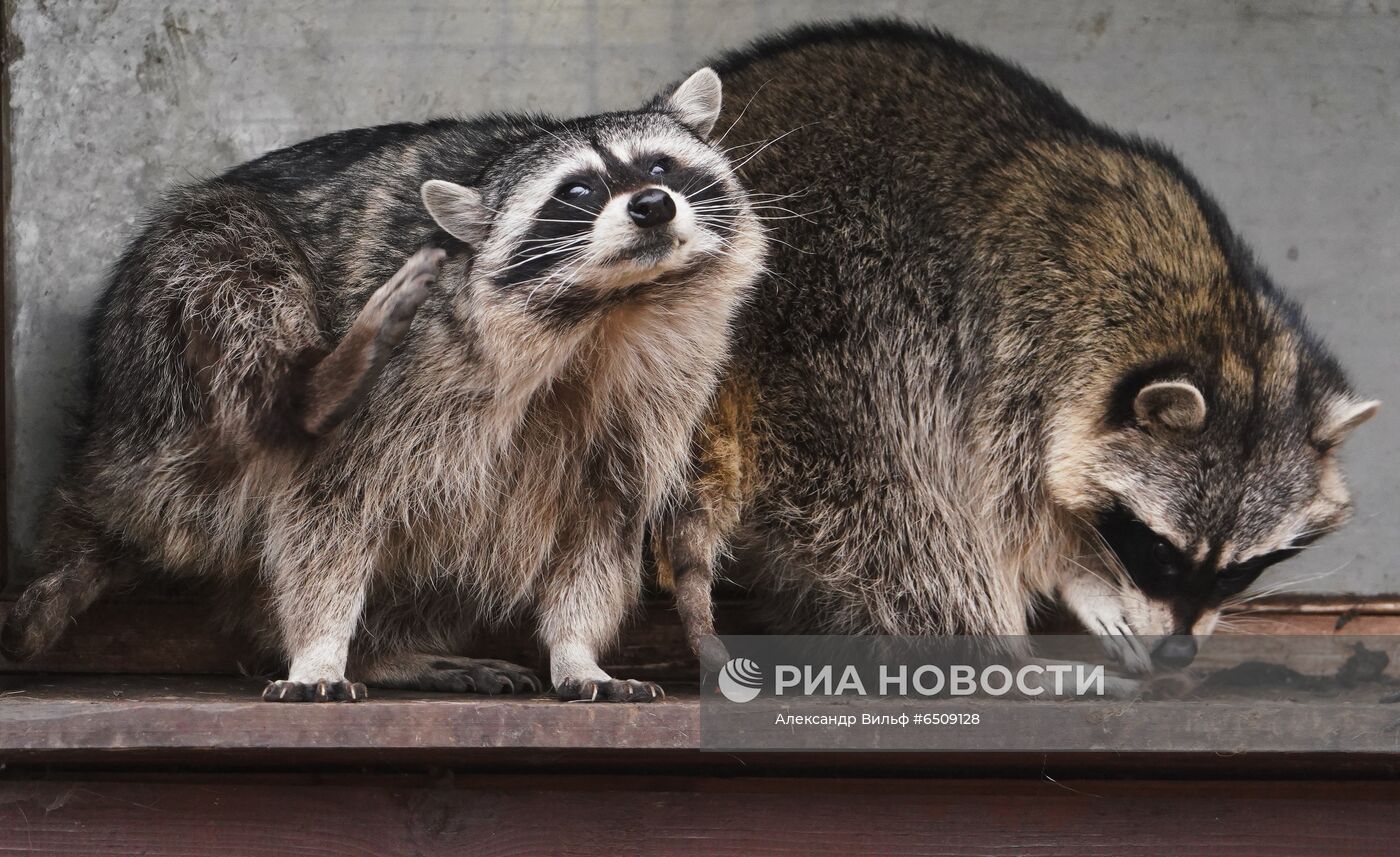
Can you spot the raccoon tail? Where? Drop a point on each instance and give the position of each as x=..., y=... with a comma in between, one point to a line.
x=75, y=548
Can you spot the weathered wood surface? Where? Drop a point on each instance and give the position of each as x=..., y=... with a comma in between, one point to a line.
x=660, y=816
x=110, y=720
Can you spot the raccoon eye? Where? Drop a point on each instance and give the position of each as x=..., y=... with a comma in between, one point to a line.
x=662, y=166
x=574, y=190
x=1162, y=556
x=1237, y=577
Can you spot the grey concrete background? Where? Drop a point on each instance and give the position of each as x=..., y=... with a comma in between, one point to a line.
x=1289, y=111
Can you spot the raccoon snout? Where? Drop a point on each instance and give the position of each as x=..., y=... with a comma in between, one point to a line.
x=1175, y=652
x=651, y=207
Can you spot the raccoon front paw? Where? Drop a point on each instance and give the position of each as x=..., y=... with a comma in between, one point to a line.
x=1127, y=650
x=320, y=691
x=609, y=690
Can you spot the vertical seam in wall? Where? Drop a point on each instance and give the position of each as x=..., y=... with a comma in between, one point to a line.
x=591, y=72
x=679, y=48
x=503, y=35
x=9, y=52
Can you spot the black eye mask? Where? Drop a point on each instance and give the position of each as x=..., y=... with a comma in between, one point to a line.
x=1161, y=571
x=1154, y=564
x=1237, y=577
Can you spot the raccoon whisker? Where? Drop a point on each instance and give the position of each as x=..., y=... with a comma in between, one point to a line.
x=771, y=197
x=1254, y=623
x=566, y=273
x=1115, y=581
x=736, y=167
x=591, y=214
x=557, y=220
x=737, y=146
x=760, y=150
x=1104, y=553
x=806, y=215
x=565, y=283
x=537, y=257
x=583, y=236
x=706, y=208
x=753, y=200
x=548, y=249
x=531, y=294
x=742, y=111
x=1308, y=534
x=793, y=216
x=561, y=279
x=792, y=247
x=1287, y=585
x=539, y=284
x=768, y=198
x=542, y=252
x=729, y=200
x=538, y=127
x=549, y=243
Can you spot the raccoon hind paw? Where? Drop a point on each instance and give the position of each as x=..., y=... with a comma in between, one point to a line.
x=454, y=674
x=477, y=675
x=35, y=623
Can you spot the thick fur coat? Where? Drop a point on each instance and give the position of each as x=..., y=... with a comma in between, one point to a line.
x=1004, y=356
x=379, y=458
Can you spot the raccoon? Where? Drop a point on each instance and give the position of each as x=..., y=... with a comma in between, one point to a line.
x=1004, y=357
x=380, y=458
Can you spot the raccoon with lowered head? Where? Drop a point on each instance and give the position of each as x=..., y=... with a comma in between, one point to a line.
x=388, y=461
x=1005, y=355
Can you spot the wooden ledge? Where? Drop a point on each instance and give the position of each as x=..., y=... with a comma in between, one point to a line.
x=214, y=721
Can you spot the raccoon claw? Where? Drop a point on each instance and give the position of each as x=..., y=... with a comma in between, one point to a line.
x=609, y=690
x=321, y=691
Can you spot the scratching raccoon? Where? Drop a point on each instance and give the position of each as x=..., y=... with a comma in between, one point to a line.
x=389, y=456
x=1004, y=356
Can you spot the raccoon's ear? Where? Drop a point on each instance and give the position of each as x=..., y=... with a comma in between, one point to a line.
x=1340, y=416
x=458, y=210
x=1172, y=405
x=696, y=102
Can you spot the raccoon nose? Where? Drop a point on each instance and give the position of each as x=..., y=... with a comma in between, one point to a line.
x=1175, y=651
x=651, y=207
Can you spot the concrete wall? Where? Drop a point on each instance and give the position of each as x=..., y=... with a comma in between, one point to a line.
x=1290, y=111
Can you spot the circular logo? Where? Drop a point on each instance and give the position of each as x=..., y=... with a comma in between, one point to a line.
x=740, y=680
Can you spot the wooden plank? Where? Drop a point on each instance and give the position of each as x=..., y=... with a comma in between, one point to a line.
x=589, y=815
x=104, y=718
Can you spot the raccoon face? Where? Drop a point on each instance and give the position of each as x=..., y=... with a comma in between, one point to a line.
x=1199, y=486
x=595, y=211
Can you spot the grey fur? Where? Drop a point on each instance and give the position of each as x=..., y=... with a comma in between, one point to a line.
x=379, y=459
x=1004, y=356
